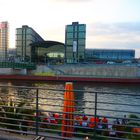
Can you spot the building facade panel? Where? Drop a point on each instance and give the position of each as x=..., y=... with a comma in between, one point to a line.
x=47, y=52
x=75, y=42
x=24, y=37
x=110, y=54
x=4, y=39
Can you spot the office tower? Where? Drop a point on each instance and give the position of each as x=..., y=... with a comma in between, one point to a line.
x=75, y=42
x=24, y=37
x=4, y=40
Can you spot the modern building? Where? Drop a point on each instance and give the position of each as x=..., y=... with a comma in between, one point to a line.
x=24, y=37
x=47, y=52
x=4, y=39
x=75, y=42
x=109, y=54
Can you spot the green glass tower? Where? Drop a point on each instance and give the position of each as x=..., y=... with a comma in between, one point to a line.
x=24, y=37
x=75, y=42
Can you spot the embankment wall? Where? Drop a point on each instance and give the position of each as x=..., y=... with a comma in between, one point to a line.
x=100, y=70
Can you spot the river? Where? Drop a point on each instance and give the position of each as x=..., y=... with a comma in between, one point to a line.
x=86, y=96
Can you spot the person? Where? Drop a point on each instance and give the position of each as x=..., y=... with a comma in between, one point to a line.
x=91, y=123
x=104, y=121
x=100, y=125
x=24, y=125
x=77, y=120
x=117, y=121
x=124, y=120
x=52, y=119
x=84, y=118
x=85, y=128
x=112, y=132
x=84, y=123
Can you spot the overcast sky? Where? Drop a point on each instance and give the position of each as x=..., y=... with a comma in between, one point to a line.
x=110, y=23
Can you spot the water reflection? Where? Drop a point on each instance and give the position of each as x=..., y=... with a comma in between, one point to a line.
x=81, y=97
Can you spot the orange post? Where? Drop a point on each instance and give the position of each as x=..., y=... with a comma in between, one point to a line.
x=68, y=110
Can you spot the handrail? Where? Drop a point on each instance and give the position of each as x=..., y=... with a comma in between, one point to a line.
x=33, y=114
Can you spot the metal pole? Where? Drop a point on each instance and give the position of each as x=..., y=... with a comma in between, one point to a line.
x=95, y=114
x=37, y=113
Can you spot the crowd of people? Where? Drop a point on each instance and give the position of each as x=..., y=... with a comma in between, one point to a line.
x=101, y=124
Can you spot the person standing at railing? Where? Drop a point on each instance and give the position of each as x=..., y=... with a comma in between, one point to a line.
x=124, y=120
x=99, y=126
x=105, y=123
x=85, y=123
x=84, y=118
x=91, y=123
x=24, y=125
x=77, y=120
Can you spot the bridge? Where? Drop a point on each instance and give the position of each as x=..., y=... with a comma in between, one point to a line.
x=21, y=65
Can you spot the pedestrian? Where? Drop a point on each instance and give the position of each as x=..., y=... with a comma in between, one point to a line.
x=24, y=125
x=124, y=120
x=105, y=123
x=84, y=118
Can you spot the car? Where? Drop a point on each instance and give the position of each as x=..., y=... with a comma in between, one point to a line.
x=110, y=62
x=127, y=62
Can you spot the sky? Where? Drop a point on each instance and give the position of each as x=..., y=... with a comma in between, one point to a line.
x=110, y=24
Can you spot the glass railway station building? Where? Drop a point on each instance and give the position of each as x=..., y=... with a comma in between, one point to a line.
x=47, y=52
x=109, y=54
x=31, y=47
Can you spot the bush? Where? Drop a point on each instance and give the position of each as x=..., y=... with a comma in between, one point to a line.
x=45, y=74
x=133, y=116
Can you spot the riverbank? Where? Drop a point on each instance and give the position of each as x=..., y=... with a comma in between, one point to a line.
x=70, y=78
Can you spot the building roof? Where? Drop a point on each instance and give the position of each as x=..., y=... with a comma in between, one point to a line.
x=91, y=49
x=46, y=44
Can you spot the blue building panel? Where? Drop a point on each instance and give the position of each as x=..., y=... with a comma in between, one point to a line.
x=109, y=54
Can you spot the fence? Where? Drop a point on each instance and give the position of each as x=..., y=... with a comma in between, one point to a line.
x=14, y=65
x=97, y=115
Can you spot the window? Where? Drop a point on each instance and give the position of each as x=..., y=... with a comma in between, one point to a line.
x=75, y=29
x=19, y=37
x=69, y=35
x=82, y=27
x=29, y=37
x=81, y=34
x=81, y=42
x=69, y=42
x=69, y=28
x=29, y=31
x=18, y=43
x=19, y=31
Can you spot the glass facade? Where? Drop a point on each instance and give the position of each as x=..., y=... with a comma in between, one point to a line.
x=110, y=54
x=75, y=38
x=47, y=52
x=4, y=40
x=24, y=37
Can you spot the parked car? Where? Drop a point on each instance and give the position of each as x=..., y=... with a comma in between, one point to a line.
x=127, y=62
x=110, y=62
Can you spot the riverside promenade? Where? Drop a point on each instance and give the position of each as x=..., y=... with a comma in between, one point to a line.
x=40, y=111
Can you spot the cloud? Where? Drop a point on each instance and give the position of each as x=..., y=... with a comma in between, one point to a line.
x=114, y=28
x=71, y=0
x=125, y=35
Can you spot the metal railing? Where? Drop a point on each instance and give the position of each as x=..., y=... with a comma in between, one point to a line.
x=98, y=115
x=14, y=65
